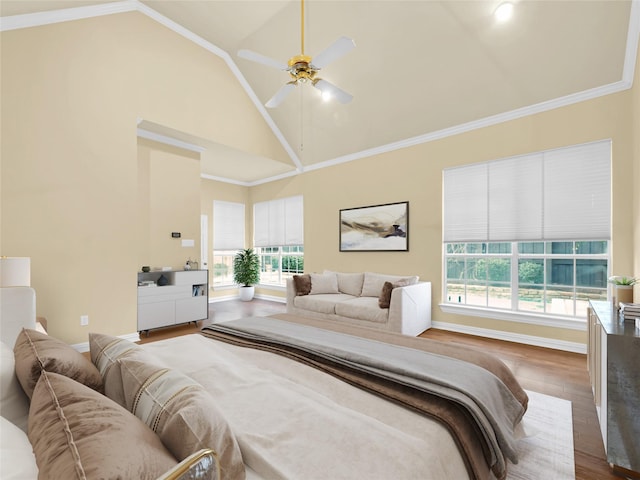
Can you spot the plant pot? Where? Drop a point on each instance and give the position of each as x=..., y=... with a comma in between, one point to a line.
x=624, y=294
x=246, y=293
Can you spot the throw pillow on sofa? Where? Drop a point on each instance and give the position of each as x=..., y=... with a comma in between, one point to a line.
x=349, y=283
x=384, y=301
x=302, y=284
x=322, y=283
x=373, y=283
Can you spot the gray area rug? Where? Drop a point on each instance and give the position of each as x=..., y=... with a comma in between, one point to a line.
x=545, y=447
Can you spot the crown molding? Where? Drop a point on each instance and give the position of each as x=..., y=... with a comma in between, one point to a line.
x=631, y=51
x=633, y=37
x=169, y=141
x=15, y=22
x=477, y=124
x=44, y=18
x=206, y=176
x=77, y=13
x=252, y=183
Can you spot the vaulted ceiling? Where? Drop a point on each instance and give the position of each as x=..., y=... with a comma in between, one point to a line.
x=420, y=70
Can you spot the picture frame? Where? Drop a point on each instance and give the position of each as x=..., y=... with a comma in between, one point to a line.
x=375, y=228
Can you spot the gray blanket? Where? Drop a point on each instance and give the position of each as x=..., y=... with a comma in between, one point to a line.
x=483, y=396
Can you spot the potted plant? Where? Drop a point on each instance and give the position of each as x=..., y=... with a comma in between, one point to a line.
x=246, y=272
x=622, y=289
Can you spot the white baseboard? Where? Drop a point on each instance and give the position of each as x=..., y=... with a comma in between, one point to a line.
x=271, y=298
x=259, y=296
x=84, y=347
x=513, y=337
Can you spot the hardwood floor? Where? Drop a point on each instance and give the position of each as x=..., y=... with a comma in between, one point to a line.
x=552, y=372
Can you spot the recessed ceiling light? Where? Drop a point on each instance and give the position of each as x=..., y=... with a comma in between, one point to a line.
x=504, y=11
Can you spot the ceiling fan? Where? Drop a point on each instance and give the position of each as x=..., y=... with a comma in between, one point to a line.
x=302, y=70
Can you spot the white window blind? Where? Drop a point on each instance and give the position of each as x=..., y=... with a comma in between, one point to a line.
x=560, y=194
x=278, y=222
x=228, y=225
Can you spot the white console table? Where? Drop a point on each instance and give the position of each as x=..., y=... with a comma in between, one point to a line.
x=183, y=299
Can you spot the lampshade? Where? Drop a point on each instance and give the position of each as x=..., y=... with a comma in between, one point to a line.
x=15, y=272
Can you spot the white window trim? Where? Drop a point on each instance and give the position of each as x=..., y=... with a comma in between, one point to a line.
x=570, y=323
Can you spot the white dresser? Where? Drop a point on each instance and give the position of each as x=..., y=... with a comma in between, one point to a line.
x=172, y=297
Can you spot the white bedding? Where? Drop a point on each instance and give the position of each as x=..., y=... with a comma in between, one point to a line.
x=293, y=421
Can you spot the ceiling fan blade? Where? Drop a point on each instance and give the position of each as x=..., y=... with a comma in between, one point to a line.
x=256, y=57
x=339, y=94
x=280, y=95
x=337, y=49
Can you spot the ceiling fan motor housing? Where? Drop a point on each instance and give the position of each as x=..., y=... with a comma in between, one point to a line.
x=300, y=68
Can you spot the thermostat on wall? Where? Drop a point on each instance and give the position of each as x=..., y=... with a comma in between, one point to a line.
x=175, y=234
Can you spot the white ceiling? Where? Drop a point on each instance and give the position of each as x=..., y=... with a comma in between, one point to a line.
x=421, y=69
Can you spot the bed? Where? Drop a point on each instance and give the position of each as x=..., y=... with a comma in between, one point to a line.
x=288, y=397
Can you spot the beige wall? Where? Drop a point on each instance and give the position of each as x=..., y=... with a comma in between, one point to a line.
x=415, y=174
x=71, y=96
x=168, y=203
x=74, y=176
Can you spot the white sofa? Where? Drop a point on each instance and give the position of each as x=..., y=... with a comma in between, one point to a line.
x=354, y=298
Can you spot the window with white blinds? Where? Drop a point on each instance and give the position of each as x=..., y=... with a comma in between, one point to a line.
x=561, y=194
x=228, y=225
x=278, y=222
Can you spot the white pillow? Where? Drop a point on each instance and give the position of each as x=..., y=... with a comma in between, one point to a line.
x=17, y=461
x=14, y=403
x=324, y=283
x=349, y=283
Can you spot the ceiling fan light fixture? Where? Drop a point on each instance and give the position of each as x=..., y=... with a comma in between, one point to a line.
x=504, y=12
x=303, y=71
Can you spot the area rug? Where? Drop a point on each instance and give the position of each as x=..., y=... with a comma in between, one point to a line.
x=545, y=448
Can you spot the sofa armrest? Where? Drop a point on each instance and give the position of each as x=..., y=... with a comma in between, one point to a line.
x=291, y=292
x=410, y=309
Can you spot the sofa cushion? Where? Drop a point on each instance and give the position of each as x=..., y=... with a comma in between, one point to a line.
x=77, y=432
x=363, y=308
x=322, y=283
x=373, y=283
x=181, y=412
x=321, y=303
x=302, y=284
x=17, y=461
x=384, y=301
x=14, y=403
x=106, y=350
x=35, y=352
x=349, y=283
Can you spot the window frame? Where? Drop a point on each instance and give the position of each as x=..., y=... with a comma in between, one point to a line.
x=575, y=321
x=230, y=283
x=280, y=253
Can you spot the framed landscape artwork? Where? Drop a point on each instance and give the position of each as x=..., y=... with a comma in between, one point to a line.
x=377, y=228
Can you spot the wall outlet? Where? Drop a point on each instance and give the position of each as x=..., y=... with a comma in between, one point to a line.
x=84, y=320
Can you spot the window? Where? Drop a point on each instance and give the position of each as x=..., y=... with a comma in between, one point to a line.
x=552, y=278
x=228, y=238
x=279, y=263
x=529, y=234
x=223, y=267
x=279, y=239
